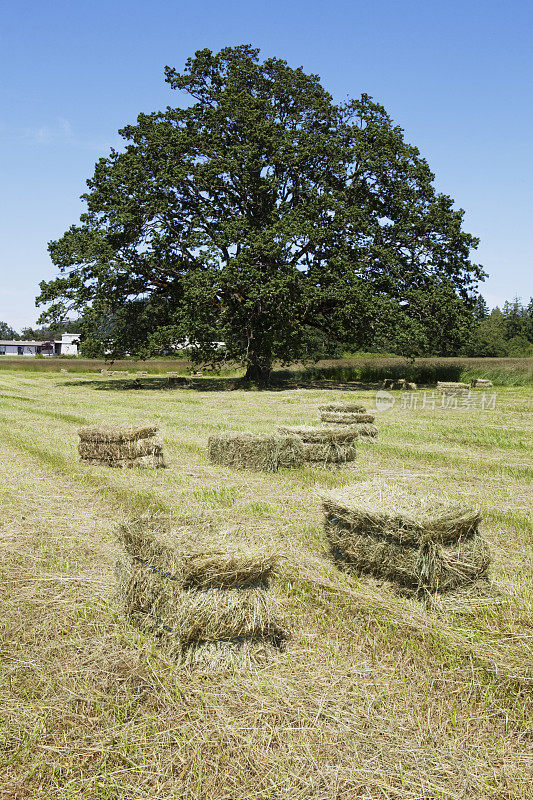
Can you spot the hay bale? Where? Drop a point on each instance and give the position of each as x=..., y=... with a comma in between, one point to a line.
x=212, y=609
x=481, y=383
x=117, y=451
x=342, y=418
x=453, y=389
x=258, y=451
x=320, y=434
x=209, y=615
x=329, y=453
x=367, y=430
x=326, y=444
x=420, y=542
x=116, y=433
x=343, y=408
x=121, y=446
x=194, y=557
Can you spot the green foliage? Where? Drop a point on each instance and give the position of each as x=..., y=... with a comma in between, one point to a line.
x=503, y=332
x=265, y=216
x=6, y=332
x=47, y=332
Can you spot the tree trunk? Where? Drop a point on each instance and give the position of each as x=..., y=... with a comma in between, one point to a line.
x=258, y=372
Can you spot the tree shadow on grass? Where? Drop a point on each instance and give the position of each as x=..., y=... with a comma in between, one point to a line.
x=215, y=384
x=338, y=378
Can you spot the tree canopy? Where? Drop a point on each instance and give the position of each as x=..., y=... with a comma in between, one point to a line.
x=502, y=332
x=266, y=216
x=7, y=332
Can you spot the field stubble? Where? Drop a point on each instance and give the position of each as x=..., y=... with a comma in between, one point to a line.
x=374, y=697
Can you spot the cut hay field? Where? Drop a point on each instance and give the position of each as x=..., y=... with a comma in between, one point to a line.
x=374, y=697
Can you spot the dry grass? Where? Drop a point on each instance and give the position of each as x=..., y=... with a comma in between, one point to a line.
x=374, y=696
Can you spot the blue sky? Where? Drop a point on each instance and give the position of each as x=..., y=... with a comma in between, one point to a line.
x=457, y=76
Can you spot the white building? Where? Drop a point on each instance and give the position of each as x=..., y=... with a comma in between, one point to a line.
x=66, y=346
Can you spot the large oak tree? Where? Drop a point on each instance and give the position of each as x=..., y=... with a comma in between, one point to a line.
x=267, y=216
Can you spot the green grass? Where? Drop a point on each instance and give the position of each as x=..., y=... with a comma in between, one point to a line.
x=374, y=697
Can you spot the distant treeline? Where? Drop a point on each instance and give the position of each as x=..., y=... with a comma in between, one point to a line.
x=44, y=333
x=500, y=333
x=506, y=331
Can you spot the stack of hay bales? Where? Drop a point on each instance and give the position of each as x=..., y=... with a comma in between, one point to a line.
x=121, y=445
x=325, y=444
x=481, y=383
x=207, y=601
x=351, y=414
x=258, y=451
x=453, y=389
x=419, y=542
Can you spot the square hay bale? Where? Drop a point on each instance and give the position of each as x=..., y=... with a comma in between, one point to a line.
x=329, y=453
x=207, y=602
x=345, y=418
x=367, y=430
x=481, y=383
x=420, y=542
x=195, y=555
x=343, y=408
x=326, y=444
x=453, y=389
x=121, y=446
x=257, y=451
x=318, y=434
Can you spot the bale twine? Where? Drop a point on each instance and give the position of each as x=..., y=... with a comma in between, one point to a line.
x=208, y=603
x=481, y=383
x=420, y=542
x=121, y=446
x=325, y=444
x=452, y=389
x=345, y=418
x=257, y=451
